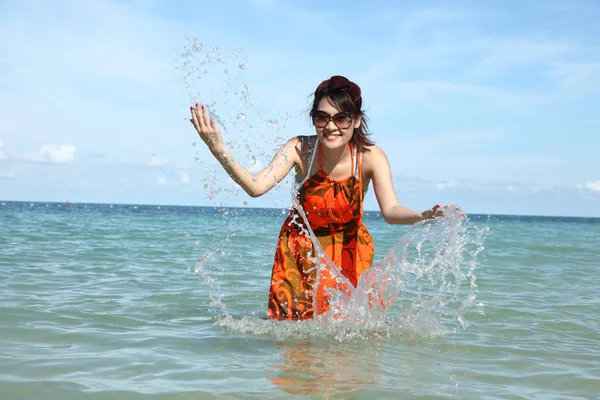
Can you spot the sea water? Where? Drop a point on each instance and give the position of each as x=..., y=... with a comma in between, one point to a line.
x=169, y=302
x=152, y=301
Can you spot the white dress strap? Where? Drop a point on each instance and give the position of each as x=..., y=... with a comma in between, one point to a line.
x=356, y=155
x=312, y=154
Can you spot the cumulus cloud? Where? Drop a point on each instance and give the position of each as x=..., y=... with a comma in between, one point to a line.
x=51, y=153
x=6, y=175
x=593, y=186
x=161, y=180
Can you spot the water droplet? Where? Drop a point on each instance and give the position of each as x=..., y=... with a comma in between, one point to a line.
x=243, y=66
x=241, y=116
x=245, y=203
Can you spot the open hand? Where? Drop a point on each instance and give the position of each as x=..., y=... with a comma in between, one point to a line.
x=206, y=127
x=439, y=211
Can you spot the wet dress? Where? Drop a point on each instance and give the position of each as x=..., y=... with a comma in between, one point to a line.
x=333, y=211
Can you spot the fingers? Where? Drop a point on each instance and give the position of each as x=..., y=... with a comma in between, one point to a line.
x=206, y=116
x=194, y=119
x=201, y=119
x=438, y=211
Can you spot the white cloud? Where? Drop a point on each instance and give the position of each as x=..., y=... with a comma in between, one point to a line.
x=2, y=153
x=51, y=153
x=161, y=180
x=405, y=183
x=446, y=185
x=185, y=178
x=6, y=175
x=155, y=162
x=105, y=61
x=593, y=186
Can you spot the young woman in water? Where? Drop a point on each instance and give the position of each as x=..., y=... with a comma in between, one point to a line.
x=333, y=171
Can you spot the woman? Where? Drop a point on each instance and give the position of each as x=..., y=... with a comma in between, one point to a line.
x=333, y=171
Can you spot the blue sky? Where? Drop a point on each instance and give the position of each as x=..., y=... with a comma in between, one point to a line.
x=490, y=105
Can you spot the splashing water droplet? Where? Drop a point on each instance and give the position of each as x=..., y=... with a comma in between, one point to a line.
x=245, y=203
x=241, y=116
x=242, y=66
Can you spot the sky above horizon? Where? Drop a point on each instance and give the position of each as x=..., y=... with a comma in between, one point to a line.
x=489, y=105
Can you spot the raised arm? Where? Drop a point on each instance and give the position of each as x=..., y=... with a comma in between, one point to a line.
x=253, y=184
x=378, y=169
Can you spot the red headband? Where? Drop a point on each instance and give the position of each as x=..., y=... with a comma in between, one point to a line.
x=339, y=82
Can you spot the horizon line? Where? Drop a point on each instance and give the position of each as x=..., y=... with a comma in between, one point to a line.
x=68, y=202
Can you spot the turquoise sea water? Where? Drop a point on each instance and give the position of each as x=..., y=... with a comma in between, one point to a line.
x=168, y=302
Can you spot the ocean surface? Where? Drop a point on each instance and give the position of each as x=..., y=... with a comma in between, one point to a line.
x=102, y=301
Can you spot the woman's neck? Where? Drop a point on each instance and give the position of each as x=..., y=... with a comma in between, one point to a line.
x=332, y=157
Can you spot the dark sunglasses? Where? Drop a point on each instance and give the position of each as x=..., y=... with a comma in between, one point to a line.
x=342, y=120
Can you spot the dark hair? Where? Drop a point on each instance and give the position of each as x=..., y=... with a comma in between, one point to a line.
x=342, y=100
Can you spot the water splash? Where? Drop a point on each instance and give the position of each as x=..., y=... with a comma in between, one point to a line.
x=427, y=282
x=424, y=286
x=217, y=76
x=208, y=260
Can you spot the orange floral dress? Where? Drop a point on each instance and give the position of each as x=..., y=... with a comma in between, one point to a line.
x=333, y=210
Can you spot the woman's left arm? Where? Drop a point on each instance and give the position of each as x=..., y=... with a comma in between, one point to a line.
x=378, y=169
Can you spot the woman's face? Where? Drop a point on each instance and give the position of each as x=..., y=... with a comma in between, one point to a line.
x=338, y=131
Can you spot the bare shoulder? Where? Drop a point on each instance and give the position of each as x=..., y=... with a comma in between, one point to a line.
x=373, y=156
x=294, y=145
x=296, y=150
